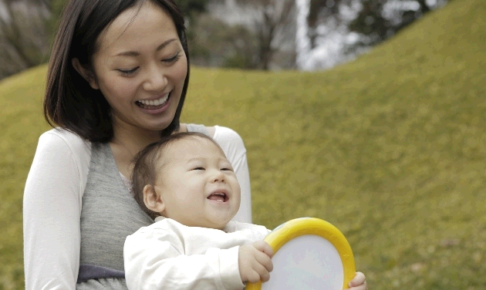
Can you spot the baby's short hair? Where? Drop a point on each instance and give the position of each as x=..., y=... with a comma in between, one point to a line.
x=145, y=165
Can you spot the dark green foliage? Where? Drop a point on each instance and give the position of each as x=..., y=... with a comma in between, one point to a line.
x=371, y=20
x=192, y=6
x=56, y=7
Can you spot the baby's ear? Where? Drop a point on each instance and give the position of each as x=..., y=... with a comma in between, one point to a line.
x=153, y=201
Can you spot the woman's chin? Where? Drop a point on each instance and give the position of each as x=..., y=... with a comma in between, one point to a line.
x=155, y=126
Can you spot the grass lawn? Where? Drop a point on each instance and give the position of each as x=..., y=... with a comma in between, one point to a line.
x=389, y=148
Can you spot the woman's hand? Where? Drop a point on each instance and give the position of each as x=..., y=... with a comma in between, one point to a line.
x=358, y=282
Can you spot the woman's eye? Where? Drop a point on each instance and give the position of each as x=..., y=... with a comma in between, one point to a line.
x=172, y=59
x=128, y=72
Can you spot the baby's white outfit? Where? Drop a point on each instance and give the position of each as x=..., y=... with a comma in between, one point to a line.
x=169, y=255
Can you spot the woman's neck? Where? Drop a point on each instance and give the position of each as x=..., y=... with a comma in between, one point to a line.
x=134, y=141
x=126, y=143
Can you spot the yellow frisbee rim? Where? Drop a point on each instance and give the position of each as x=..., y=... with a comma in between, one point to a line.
x=312, y=226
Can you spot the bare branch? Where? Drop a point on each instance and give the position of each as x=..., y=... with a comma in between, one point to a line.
x=23, y=38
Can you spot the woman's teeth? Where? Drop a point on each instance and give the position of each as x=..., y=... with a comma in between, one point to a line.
x=156, y=102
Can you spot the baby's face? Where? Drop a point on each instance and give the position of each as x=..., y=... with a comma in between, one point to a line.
x=197, y=184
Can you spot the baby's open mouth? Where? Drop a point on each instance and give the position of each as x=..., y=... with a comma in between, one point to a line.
x=218, y=196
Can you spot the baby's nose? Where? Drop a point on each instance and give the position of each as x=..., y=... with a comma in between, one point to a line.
x=218, y=176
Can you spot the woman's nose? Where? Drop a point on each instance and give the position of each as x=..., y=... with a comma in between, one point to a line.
x=155, y=80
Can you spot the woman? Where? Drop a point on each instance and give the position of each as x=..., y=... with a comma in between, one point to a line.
x=117, y=81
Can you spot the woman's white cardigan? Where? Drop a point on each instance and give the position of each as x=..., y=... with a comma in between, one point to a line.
x=53, y=200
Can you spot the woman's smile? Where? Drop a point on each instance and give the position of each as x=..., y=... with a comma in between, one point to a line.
x=154, y=106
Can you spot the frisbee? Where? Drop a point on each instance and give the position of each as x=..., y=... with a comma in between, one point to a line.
x=309, y=253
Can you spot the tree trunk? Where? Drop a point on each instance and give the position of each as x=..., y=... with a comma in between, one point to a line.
x=423, y=6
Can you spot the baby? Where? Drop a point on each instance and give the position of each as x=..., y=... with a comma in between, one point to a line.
x=188, y=186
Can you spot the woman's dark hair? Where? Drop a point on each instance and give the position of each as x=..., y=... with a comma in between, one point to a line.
x=70, y=102
x=145, y=164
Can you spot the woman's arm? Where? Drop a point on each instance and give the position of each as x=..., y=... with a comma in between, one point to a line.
x=234, y=148
x=51, y=212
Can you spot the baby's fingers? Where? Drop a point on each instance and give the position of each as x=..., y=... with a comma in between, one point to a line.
x=258, y=273
x=263, y=271
x=358, y=282
x=264, y=247
x=253, y=276
x=265, y=261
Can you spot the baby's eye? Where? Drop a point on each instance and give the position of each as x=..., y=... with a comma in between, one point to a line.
x=226, y=169
x=198, y=168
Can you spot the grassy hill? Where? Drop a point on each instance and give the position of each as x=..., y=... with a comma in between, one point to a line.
x=389, y=148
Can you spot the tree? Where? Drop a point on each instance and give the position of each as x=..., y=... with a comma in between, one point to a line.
x=325, y=12
x=23, y=34
x=374, y=20
x=273, y=24
x=218, y=44
x=192, y=6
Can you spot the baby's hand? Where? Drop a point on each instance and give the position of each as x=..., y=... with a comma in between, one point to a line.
x=358, y=282
x=255, y=262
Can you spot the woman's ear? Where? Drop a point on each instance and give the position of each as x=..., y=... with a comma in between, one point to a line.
x=85, y=73
x=152, y=200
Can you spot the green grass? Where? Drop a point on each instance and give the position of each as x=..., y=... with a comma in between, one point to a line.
x=389, y=148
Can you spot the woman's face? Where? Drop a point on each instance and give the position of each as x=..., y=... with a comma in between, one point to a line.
x=140, y=67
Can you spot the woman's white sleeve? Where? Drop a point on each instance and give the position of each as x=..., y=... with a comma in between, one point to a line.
x=234, y=148
x=51, y=215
